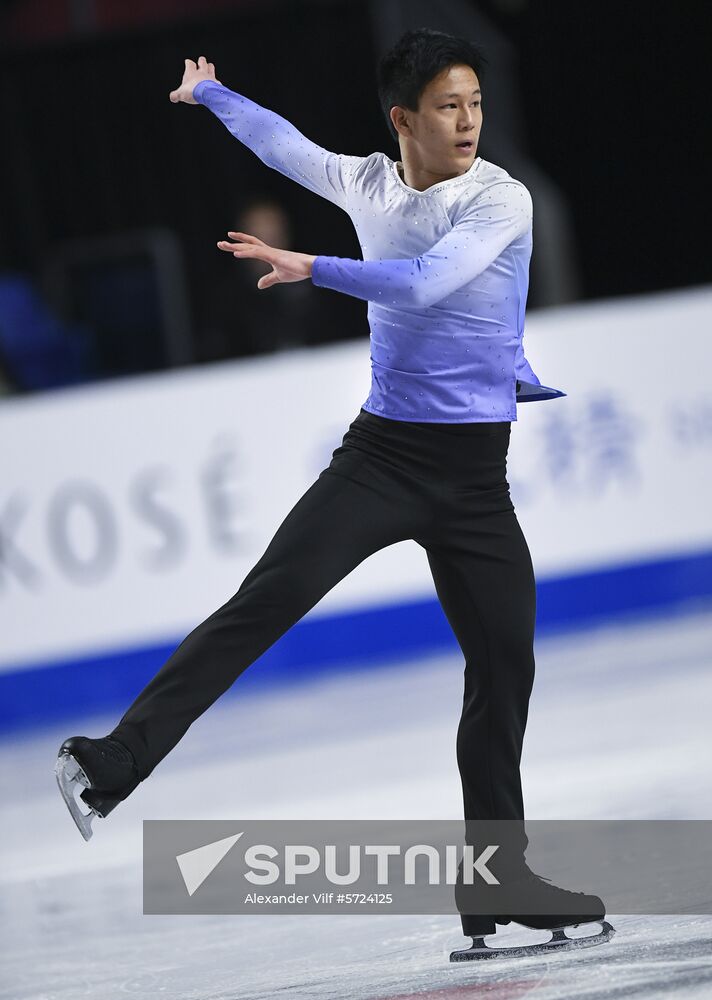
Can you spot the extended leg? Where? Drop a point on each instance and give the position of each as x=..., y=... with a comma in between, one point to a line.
x=333, y=527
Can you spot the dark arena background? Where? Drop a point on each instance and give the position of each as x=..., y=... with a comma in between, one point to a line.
x=159, y=417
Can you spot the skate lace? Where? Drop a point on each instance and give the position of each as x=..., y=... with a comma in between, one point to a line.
x=554, y=888
x=116, y=751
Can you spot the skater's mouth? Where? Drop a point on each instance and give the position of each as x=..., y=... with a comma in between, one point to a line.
x=467, y=144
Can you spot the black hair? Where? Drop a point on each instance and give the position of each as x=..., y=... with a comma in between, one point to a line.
x=417, y=58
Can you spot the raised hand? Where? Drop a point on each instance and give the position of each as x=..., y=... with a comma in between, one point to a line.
x=193, y=75
x=287, y=265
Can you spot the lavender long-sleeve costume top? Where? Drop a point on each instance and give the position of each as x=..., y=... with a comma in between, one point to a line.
x=445, y=271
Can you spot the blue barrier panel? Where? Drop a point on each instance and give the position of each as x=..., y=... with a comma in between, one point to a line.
x=363, y=639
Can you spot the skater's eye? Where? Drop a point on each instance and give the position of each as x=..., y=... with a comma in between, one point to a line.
x=474, y=104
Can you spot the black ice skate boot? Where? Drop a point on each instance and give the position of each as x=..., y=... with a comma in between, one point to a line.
x=531, y=892
x=104, y=768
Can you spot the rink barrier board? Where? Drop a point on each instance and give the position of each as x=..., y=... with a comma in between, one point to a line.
x=353, y=641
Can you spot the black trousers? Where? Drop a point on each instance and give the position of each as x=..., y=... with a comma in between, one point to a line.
x=445, y=487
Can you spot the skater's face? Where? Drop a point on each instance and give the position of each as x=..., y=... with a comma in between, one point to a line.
x=444, y=132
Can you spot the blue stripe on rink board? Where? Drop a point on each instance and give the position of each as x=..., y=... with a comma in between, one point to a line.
x=355, y=640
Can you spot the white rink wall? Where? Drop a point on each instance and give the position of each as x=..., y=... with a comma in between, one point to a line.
x=130, y=510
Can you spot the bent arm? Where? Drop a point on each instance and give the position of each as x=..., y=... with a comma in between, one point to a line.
x=501, y=214
x=277, y=142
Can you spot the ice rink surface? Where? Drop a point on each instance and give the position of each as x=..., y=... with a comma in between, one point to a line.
x=619, y=727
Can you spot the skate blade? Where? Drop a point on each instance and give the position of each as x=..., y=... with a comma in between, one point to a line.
x=71, y=778
x=559, y=941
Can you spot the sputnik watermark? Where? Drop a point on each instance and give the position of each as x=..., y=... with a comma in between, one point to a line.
x=266, y=865
x=423, y=866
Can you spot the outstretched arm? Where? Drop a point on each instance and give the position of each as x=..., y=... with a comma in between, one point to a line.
x=500, y=216
x=272, y=138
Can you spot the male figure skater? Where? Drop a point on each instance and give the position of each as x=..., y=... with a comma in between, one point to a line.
x=446, y=239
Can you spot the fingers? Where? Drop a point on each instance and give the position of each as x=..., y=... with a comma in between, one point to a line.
x=201, y=64
x=246, y=238
x=248, y=246
x=256, y=249
x=244, y=249
x=267, y=280
x=208, y=66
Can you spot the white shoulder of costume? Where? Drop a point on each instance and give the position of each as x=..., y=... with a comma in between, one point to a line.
x=492, y=184
x=490, y=174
